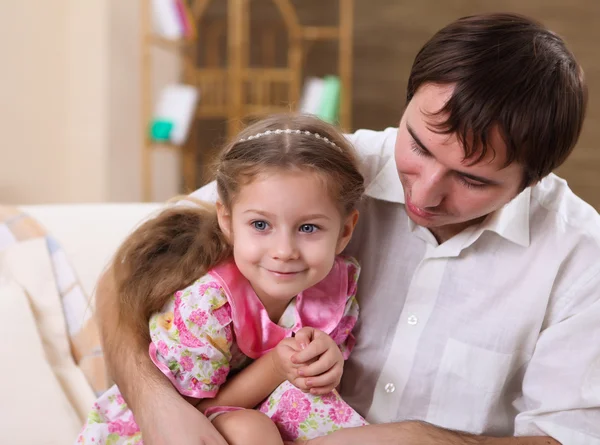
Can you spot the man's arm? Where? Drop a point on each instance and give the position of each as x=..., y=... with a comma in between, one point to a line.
x=161, y=412
x=418, y=433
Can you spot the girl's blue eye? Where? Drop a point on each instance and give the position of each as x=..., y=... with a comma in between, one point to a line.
x=260, y=225
x=308, y=228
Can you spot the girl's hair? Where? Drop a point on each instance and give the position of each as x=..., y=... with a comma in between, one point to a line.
x=175, y=248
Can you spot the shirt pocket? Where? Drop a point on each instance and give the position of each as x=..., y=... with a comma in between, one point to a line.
x=468, y=387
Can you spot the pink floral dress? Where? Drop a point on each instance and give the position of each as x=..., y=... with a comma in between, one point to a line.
x=217, y=326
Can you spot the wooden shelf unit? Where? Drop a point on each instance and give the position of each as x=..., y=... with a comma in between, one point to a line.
x=235, y=90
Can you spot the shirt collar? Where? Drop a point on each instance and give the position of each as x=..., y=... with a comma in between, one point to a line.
x=387, y=186
x=510, y=222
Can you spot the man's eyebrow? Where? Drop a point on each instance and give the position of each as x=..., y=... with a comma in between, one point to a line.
x=464, y=174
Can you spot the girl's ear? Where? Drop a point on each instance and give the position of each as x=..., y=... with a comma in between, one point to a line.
x=224, y=219
x=347, y=231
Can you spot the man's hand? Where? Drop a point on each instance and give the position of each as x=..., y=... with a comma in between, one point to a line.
x=179, y=423
x=320, y=361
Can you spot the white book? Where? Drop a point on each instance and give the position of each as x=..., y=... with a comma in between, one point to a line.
x=166, y=19
x=177, y=104
x=312, y=94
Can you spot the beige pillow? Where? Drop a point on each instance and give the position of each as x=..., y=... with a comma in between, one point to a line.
x=45, y=395
x=34, y=406
x=83, y=335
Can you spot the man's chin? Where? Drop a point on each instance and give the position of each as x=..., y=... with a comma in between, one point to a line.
x=429, y=223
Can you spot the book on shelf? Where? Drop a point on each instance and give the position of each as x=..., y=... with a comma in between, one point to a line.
x=173, y=114
x=173, y=19
x=321, y=97
x=310, y=100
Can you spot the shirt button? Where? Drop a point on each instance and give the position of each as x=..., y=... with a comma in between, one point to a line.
x=390, y=388
x=413, y=320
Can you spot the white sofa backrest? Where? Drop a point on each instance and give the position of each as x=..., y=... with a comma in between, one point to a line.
x=90, y=233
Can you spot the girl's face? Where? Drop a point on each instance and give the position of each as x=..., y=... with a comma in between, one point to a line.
x=286, y=231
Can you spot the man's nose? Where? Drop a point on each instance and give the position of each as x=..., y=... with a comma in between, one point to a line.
x=428, y=190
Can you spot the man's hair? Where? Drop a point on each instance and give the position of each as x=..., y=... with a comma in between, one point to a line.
x=511, y=74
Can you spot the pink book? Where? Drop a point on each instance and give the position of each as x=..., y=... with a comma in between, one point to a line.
x=183, y=18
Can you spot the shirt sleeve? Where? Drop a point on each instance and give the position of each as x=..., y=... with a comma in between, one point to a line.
x=206, y=193
x=342, y=333
x=191, y=339
x=561, y=386
x=374, y=149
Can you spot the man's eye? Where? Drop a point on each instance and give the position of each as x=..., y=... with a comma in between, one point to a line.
x=417, y=150
x=470, y=184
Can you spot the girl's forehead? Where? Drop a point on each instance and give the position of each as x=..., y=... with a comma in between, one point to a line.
x=289, y=192
x=269, y=176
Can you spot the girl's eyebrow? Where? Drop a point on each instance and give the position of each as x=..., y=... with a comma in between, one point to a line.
x=272, y=216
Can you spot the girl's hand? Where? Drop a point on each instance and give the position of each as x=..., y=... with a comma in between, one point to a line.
x=282, y=363
x=320, y=361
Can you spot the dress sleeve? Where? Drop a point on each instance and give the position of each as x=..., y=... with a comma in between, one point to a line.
x=342, y=334
x=191, y=339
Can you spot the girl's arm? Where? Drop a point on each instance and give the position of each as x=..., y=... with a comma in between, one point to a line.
x=254, y=384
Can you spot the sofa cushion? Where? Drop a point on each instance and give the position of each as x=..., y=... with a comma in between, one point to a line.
x=38, y=407
x=74, y=304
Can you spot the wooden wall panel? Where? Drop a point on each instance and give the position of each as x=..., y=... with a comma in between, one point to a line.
x=388, y=33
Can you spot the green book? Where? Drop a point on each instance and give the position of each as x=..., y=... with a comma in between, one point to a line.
x=330, y=100
x=160, y=130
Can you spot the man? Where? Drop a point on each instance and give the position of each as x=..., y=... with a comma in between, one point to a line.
x=480, y=283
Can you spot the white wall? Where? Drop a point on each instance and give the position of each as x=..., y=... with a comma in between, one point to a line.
x=70, y=114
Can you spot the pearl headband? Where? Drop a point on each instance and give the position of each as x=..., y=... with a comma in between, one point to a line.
x=288, y=131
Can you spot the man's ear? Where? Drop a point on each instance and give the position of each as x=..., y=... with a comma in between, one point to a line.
x=347, y=231
x=224, y=219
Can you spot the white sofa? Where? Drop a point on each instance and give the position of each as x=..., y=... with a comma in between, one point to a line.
x=45, y=395
x=90, y=233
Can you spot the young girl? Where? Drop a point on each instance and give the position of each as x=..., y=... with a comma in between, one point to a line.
x=250, y=285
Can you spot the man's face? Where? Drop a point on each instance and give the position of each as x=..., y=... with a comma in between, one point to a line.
x=442, y=191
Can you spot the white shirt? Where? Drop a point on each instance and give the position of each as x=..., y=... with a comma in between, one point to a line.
x=496, y=331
